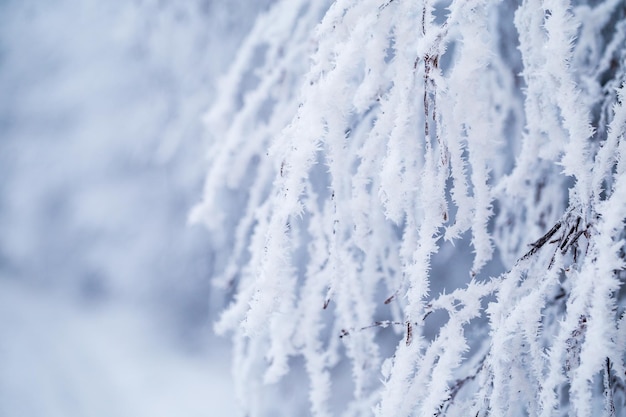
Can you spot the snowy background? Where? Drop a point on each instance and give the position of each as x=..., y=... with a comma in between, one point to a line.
x=105, y=301
x=406, y=208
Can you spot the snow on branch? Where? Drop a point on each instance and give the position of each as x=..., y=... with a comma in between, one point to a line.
x=420, y=206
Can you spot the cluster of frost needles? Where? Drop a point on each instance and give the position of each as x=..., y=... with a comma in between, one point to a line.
x=418, y=207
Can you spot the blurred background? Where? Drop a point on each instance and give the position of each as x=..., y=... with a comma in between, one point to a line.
x=105, y=298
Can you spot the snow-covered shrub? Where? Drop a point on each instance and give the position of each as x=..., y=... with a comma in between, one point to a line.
x=420, y=204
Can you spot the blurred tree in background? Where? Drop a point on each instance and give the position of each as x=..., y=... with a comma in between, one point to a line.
x=105, y=301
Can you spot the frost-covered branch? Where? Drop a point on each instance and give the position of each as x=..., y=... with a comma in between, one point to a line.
x=424, y=201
